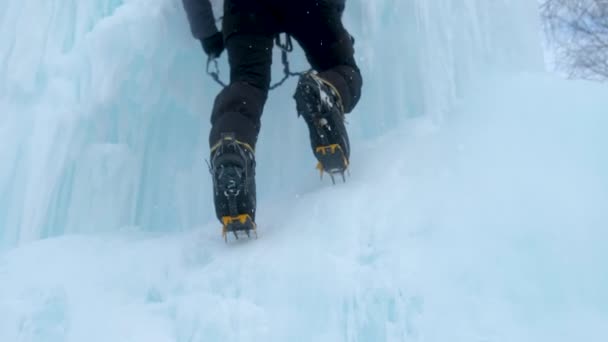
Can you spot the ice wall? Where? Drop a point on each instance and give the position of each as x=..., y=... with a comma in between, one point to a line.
x=104, y=104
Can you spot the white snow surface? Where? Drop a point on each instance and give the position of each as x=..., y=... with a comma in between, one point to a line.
x=476, y=211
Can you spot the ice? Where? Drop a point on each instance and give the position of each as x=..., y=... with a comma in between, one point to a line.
x=122, y=83
x=476, y=209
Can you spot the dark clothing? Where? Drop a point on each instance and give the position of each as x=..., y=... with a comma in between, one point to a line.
x=249, y=27
x=200, y=17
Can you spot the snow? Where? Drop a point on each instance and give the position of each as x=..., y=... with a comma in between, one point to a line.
x=476, y=209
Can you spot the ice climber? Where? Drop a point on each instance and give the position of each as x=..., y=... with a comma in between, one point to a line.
x=322, y=96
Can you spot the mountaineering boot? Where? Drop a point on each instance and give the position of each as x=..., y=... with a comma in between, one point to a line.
x=319, y=103
x=233, y=170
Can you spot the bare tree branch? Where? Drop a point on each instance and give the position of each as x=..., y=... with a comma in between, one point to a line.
x=579, y=31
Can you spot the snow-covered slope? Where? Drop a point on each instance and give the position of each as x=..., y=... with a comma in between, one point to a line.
x=491, y=228
x=476, y=210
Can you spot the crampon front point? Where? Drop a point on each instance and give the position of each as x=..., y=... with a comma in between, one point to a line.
x=237, y=225
x=332, y=160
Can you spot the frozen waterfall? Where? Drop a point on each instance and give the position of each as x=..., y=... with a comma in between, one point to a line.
x=476, y=210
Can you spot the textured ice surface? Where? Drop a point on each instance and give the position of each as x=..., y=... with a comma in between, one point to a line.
x=105, y=103
x=476, y=210
x=491, y=228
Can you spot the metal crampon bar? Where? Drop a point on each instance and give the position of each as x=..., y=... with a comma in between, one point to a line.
x=237, y=225
x=332, y=161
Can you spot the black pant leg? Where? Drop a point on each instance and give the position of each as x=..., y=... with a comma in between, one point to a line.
x=328, y=46
x=248, y=29
x=238, y=107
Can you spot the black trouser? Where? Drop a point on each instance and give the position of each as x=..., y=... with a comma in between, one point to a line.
x=249, y=27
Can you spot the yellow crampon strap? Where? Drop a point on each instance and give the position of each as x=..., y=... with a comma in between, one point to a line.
x=330, y=149
x=219, y=143
x=227, y=221
x=242, y=219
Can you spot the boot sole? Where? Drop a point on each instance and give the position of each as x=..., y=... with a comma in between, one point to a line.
x=332, y=158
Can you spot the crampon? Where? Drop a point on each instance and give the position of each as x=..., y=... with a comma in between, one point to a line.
x=239, y=226
x=332, y=161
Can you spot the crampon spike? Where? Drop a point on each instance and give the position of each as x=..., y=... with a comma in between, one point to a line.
x=321, y=171
x=332, y=160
